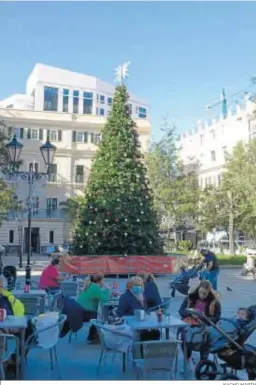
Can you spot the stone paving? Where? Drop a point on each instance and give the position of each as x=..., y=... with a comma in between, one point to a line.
x=78, y=360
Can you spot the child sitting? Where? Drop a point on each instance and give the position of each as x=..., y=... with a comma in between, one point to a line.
x=213, y=337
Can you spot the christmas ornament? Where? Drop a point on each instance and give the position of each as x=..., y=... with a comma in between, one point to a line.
x=141, y=204
x=142, y=212
x=138, y=220
x=125, y=234
x=106, y=220
x=90, y=222
x=95, y=234
x=86, y=234
x=125, y=219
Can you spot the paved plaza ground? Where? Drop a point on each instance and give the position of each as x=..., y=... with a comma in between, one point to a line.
x=78, y=360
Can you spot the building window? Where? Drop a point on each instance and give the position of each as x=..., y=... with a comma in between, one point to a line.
x=213, y=134
x=34, y=134
x=80, y=137
x=75, y=102
x=225, y=153
x=35, y=205
x=51, y=205
x=51, y=236
x=11, y=236
x=219, y=180
x=10, y=106
x=95, y=138
x=201, y=139
x=130, y=108
x=34, y=167
x=110, y=101
x=41, y=134
x=87, y=103
x=209, y=181
x=54, y=135
x=65, y=100
x=102, y=112
x=52, y=177
x=51, y=99
x=79, y=174
x=102, y=99
x=213, y=156
x=21, y=133
x=142, y=112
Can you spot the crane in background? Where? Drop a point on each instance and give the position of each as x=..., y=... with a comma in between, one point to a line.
x=223, y=99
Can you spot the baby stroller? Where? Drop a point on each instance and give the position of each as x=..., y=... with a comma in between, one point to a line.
x=181, y=282
x=233, y=352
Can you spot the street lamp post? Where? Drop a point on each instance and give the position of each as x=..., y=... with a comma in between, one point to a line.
x=14, y=149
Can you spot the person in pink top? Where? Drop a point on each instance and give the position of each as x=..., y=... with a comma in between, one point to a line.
x=205, y=300
x=50, y=277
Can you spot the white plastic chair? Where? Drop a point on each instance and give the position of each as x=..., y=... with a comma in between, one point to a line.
x=9, y=345
x=102, y=328
x=158, y=356
x=37, y=339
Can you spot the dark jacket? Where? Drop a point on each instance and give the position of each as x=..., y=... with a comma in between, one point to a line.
x=76, y=314
x=128, y=303
x=212, y=309
x=152, y=294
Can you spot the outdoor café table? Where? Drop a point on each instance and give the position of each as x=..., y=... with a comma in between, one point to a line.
x=19, y=323
x=33, y=293
x=151, y=322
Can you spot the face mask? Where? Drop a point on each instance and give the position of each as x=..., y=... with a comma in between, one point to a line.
x=137, y=289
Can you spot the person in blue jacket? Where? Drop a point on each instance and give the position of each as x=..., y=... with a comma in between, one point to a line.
x=212, y=266
x=151, y=291
x=133, y=298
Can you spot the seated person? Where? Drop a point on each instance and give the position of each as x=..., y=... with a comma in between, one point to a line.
x=12, y=305
x=85, y=307
x=151, y=291
x=204, y=300
x=215, y=340
x=50, y=277
x=133, y=298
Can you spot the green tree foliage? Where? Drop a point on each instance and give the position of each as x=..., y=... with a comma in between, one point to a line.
x=175, y=188
x=235, y=196
x=118, y=217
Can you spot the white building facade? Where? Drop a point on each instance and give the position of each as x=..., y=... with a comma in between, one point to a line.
x=70, y=109
x=210, y=143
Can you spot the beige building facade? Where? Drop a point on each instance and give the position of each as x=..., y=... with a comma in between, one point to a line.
x=70, y=109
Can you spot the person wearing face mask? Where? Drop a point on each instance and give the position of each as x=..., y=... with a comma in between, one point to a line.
x=133, y=298
x=204, y=300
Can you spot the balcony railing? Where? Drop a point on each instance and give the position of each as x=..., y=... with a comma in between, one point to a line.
x=37, y=214
x=79, y=179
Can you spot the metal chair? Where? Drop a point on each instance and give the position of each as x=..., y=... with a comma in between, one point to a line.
x=160, y=356
x=165, y=305
x=9, y=345
x=101, y=328
x=69, y=289
x=31, y=305
x=32, y=342
x=55, y=301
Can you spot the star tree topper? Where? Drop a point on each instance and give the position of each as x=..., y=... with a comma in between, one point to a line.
x=122, y=72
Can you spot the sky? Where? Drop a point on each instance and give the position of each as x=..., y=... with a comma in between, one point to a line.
x=182, y=53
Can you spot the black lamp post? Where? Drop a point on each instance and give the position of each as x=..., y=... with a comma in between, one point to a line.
x=47, y=150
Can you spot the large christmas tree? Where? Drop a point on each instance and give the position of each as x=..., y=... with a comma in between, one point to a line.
x=118, y=218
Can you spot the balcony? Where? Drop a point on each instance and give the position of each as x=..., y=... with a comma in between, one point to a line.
x=37, y=214
x=80, y=179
